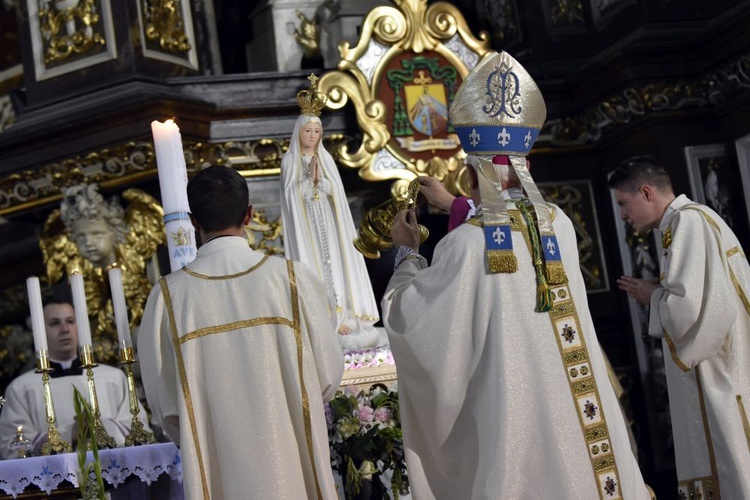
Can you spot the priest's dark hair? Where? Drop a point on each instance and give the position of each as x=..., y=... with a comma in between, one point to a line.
x=637, y=171
x=218, y=198
x=59, y=293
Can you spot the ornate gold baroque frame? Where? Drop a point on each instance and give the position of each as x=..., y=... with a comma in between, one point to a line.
x=388, y=32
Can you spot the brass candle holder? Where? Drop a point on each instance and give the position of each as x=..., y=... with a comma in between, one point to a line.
x=54, y=443
x=102, y=438
x=138, y=433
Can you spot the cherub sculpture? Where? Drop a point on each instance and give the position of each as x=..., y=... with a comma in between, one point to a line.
x=90, y=234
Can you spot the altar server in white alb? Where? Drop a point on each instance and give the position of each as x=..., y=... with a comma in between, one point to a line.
x=503, y=390
x=237, y=356
x=25, y=395
x=700, y=310
x=318, y=226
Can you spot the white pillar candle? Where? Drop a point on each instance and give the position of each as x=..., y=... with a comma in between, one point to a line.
x=82, y=314
x=37, y=314
x=170, y=165
x=120, y=307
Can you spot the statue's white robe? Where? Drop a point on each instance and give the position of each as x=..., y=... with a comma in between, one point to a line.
x=239, y=378
x=319, y=231
x=486, y=397
x=25, y=406
x=703, y=316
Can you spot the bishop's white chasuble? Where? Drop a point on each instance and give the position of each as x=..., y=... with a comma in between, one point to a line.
x=497, y=400
x=238, y=355
x=702, y=314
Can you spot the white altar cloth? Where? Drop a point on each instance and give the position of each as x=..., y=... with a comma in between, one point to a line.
x=147, y=462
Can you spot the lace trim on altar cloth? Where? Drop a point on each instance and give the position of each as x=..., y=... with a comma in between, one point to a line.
x=147, y=462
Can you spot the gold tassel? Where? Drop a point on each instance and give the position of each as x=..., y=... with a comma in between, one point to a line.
x=543, y=295
x=502, y=261
x=555, y=273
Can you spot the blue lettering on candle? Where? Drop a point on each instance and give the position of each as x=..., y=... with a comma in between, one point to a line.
x=184, y=252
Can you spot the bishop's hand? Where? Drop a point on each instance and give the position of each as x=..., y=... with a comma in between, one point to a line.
x=435, y=192
x=405, y=231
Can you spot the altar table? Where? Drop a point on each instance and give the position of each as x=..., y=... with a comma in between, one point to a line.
x=146, y=462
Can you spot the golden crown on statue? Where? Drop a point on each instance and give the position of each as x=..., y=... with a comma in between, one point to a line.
x=312, y=101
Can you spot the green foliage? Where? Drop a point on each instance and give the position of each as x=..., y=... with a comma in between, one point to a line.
x=366, y=439
x=87, y=440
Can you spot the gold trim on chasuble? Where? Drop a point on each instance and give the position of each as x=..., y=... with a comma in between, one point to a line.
x=710, y=484
x=210, y=330
x=575, y=358
x=298, y=339
x=184, y=383
x=740, y=405
x=673, y=352
x=228, y=276
x=738, y=288
x=745, y=423
x=736, y=250
x=295, y=324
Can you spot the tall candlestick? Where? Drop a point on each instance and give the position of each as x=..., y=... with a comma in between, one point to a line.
x=170, y=165
x=79, y=303
x=37, y=314
x=120, y=307
x=54, y=442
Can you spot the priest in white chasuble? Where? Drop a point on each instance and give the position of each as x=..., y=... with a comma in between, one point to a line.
x=237, y=356
x=700, y=310
x=503, y=390
x=25, y=404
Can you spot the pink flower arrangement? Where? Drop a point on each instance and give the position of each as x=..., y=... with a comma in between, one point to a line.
x=365, y=432
x=383, y=415
x=365, y=414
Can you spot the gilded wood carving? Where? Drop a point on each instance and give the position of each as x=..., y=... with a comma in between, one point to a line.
x=401, y=78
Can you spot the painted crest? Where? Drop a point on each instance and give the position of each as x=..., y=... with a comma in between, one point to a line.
x=418, y=91
x=401, y=78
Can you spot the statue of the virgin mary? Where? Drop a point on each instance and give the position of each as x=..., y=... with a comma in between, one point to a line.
x=318, y=227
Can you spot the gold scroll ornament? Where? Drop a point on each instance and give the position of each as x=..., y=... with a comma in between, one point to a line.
x=401, y=78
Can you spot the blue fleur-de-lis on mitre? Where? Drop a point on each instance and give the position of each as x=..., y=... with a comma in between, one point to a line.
x=46, y=471
x=527, y=139
x=551, y=248
x=474, y=137
x=498, y=236
x=503, y=138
